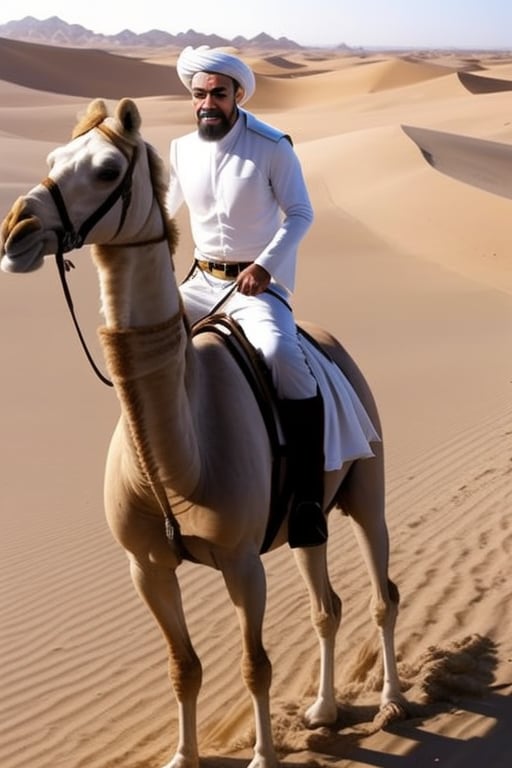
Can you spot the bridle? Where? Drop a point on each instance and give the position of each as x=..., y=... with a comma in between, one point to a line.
x=70, y=239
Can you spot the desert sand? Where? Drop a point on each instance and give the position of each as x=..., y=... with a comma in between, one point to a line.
x=412, y=270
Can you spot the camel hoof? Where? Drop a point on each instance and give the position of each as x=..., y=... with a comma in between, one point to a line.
x=180, y=761
x=320, y=714
x=390, y=713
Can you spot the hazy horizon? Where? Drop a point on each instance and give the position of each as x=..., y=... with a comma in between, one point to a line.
x=462, y=24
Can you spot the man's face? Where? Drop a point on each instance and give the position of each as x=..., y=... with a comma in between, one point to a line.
x=215, y=104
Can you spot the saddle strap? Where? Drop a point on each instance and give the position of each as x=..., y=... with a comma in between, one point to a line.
x=257, y=375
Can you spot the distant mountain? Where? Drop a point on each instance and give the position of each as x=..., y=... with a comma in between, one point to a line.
x=54, y=31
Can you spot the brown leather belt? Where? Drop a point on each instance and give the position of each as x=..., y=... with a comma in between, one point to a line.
x=225, y=270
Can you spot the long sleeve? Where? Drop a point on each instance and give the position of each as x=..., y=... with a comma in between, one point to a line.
x=290, y=191
x=174, y=197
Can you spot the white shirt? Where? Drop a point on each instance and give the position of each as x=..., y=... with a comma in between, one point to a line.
x=246, y=196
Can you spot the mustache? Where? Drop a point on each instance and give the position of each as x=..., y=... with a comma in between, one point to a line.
x=209, y=113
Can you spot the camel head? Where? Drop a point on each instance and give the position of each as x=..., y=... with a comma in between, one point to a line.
x=98, y=190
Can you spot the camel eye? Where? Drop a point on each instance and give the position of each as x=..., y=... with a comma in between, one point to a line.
x=108, y=173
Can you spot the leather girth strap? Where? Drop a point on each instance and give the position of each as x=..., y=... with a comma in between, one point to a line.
x=258, y=377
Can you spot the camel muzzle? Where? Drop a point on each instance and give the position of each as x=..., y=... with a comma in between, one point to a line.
x=17, y=226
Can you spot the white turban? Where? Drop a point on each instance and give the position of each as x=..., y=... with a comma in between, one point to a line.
x=206, y=59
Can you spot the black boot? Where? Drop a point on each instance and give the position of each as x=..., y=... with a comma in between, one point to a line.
x=303, y=426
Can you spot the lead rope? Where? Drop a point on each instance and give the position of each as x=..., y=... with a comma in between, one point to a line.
x=63, y=266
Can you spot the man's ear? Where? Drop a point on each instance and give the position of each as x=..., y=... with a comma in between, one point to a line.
x=239, y=94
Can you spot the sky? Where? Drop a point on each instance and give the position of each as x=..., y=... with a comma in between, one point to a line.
x=473, y=24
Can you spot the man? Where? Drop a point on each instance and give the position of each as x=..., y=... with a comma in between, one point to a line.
x=249, y=210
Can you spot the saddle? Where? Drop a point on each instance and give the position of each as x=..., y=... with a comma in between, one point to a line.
x=258, y=376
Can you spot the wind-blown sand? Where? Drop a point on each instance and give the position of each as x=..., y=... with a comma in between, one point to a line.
x=412, y=270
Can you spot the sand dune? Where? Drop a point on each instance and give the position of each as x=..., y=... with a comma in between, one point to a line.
x=483, y=164
x=80, y=72
x=411, y=269
x=481, y=84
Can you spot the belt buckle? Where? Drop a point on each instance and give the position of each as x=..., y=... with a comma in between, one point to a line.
x=224, y=269
x=220, y=269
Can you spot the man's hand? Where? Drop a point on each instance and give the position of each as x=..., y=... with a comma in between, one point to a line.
x=253, y=280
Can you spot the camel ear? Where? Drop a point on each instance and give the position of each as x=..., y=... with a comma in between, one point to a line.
x=97, y=110
x=128, y=115
x=95, y=114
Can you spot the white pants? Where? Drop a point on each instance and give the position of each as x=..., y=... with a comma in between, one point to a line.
x=268, y=323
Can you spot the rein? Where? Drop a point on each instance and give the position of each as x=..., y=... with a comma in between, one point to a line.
x=63, y=266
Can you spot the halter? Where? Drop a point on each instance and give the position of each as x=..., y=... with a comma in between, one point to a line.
x=69, y=239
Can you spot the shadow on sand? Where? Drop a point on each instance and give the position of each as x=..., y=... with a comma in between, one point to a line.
x=456, y=682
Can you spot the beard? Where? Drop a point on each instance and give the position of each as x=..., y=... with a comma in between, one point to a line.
x=216, y=131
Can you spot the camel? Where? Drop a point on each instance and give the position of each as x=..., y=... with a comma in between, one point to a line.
x=188, y=471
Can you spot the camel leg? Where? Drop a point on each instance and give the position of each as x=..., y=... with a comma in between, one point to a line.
x=325, y=617
x=246, y=583
x=363, y=500
x=159, y=588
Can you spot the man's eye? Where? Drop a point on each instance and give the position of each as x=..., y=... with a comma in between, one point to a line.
x=201, y=95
